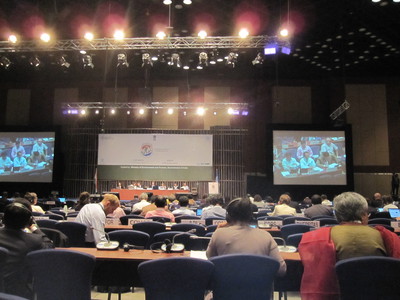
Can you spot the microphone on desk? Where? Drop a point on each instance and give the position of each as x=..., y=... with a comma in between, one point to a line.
x=172, y=247
x=109, y=245
x=128, y=247
x=195, y=237
x=284, y=247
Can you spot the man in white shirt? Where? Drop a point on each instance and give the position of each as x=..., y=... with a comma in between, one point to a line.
x=40, y=147
x=216, y=211
x=184, y=210
x=94, y=217
x=137, y=208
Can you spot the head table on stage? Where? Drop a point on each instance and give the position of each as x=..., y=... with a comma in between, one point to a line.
x=126, y=194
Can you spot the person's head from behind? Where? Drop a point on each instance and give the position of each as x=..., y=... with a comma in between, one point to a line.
x=17, y=216
x=160, y=202
x=284, y=199
x=325, y=155
x=84, y=197
x=29, y=197
x=183, y=201
x=288, y=155
x=143, y=196
x=110, y=203
x=351, y=207
x=217, y=200
x=316, y=199
x=387, y=199
x=239, y=211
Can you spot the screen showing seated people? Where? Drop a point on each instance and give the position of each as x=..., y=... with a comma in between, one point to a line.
x=26, y=156
x=309, y=157
x=155, y=157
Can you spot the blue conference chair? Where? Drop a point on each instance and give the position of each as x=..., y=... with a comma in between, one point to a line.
x=294, y=239
x=75, y=232
x=4, y=296
x=125, y=219
x=55, y=217
x=175, y=278
x=61, y=274
x=289, y=229
x=132, y=237
x=322, y=216
x=382, y=221
x=243, y=276
x=200, y=230
x=327, y=221
x=371, y=277
x=47, y=223
x=150, y=227
x=3, y=259
x=292, y=220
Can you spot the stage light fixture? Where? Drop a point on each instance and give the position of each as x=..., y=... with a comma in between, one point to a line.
x=63, y=62
x=161, y=35
x=97, y=112
x=203, y=59
x=175, y=60
x=230, y=111
x=141, y=111
x=89, y=36
x=200, y=111
x=167, y=2
x=184, y=113
x=12, y=38
x=231, y=60
x=35, y=61
x=119, y=35
x=122, y=60
x=187, y=2
x=83, y=112
x=284, y=32
x=113, y=111
x=128, y=112
x=45, y=37
x=243, y=33
x=5, y=62
x=270, y=49
x=170, y=111
x=215, y=113
x=286, y=50
x=147, y=60
x=258, y=60
x=87, y=61
x=202, y=34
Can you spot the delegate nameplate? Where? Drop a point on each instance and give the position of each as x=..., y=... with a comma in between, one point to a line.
x=193, y=221
x=311, y=223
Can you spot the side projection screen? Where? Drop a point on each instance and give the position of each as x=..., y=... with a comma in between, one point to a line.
x=155, y=157
x=309, y=157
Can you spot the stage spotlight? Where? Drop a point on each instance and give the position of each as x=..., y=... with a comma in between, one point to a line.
x=87, y=61
x=230, y=111
x=45, y=37
x=147, y=60
x=156, y=112
x=170, y=111
x=97, y=112
x=186, y=67
x=161, y=35
x=83, y=112
x=258, y=60
x=215, y=113
x=128, y=112
x=88, y=36
x=200, y=111
x=141, y=111
x=243, y=33
x=175, y=60
x=12, y=38
x=35, y=61
x=187, y=2
x=231, y=60
x=184, y=113
x=202, y=34
x=5, y=62
x=203, y=59
x=122, y=60
x=270, y=49
x=119, y=35
x=113, y=111
x=167, y=2
x=63, y=62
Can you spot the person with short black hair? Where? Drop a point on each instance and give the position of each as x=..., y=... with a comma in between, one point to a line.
x=20, y=236
x=160, y=211
x=216, y=211
x=84, y=198
x=183, y=209
x=317, y=209
x=238, y=237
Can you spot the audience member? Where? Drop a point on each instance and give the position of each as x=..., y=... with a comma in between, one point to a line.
x=325, y=200
x=302, y=149
x=150, y=207
x=5, y=162
x=306, y=203
x=160, y=211
x=137, y=208
x=317, y=209
x=258, y=201
x=329, y=147
x=322, y=248
x=19, y=161
x=84, y=198
x=93, y=215
x=40, y=147
x=33, y=199
x=289, y=163
x=17, y=148
x=183, y=209
x=117, y=213
x=388, y=202
x=216, y=211
x=307, y=162
x=239, y=237
x=283, y=207
x=4, y=201
x=20, y=236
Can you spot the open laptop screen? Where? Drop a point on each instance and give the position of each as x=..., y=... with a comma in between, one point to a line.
x=394, y=212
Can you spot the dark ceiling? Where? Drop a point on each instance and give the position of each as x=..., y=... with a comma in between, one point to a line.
x=340, y=38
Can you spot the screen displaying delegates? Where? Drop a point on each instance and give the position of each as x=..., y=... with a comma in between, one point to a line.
x=26, y=156
x=309, y=157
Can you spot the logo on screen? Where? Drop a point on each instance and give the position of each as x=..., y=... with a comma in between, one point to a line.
x=147, y=149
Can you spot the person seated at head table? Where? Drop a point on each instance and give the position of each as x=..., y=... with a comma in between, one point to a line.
x=185, y=187
x=138, y=186
x=307, y=162
x=303, y=148
x=183, y=209
x=161, y=210
x=36, y=159
x=40, y=147
x=326, y=159
x=154, y=186
x=162, y=186
x=238, y=237
x=289, y=163
x=329, y=147
x=175, y=186
x=20, y=161
x=320, y=249
x=283, y=207
x=5, y=162
x=17, y=148
x=119, y=186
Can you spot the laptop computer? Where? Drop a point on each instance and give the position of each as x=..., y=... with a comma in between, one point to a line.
x=394, y=212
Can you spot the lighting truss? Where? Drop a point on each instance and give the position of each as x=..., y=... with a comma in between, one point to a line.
x=153, y=105
x=219, y=42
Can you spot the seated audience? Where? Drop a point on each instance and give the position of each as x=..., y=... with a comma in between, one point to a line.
x=325, y=200
x=185, y=187
x=32, y=198
x=306, y=203
x=317, y=208
x=5, y=162
x=154, y=186
x=258, y=201
x=84, y=198
x=307, y=162
x=19, y=161
x=150, y=207
x=388, y=201
x=238, y=237
x=289, y=163
x=4, y=201
x=183, y=209
x=160, y=211
x=137, y=208
x=322, y=248
x=20, y=236
x=302, y=149
x=36, y=159
x=283, y=207
x=117, y=213
x=216, y=211
x=326, y=159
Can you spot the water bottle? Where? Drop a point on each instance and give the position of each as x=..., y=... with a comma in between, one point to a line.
x=65, y=208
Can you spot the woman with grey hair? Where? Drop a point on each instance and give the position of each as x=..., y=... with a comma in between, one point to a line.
x=321, y=249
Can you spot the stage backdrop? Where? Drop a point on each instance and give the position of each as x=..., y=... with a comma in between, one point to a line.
x=160, y=157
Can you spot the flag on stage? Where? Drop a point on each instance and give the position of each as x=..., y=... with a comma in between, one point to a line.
x=95, y=180
x=216, y=175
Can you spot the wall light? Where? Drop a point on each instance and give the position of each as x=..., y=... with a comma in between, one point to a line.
x=170, y=111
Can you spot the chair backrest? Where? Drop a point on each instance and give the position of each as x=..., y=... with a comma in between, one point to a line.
x=292, y=220
x=243, y=276
x=72, y=214
x=371, y=277
x=125, y=219
x=4, y=296
x=61, y=274
x=186, y=217
x=46, y=223
x=57, y=211
x=58, y=238
x=294, y=239
x=211, y=228
x=383, y=221
x=75, y=232
x=289, y=229
x=285, y=216
x=200, y=229
x=161, y=219
x=175, y=278
x=149, y=227
x=55, y=217
x=36, y=214
x=322, y=216
x=180, y=237
x=3, y=259
x=327, y=221
x=132, y=237
x=383, y=225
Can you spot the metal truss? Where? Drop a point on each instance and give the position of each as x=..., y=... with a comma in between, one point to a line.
x=152, y=105
x=220, y=42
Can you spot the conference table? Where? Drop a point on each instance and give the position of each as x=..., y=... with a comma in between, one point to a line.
x=126, y=194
